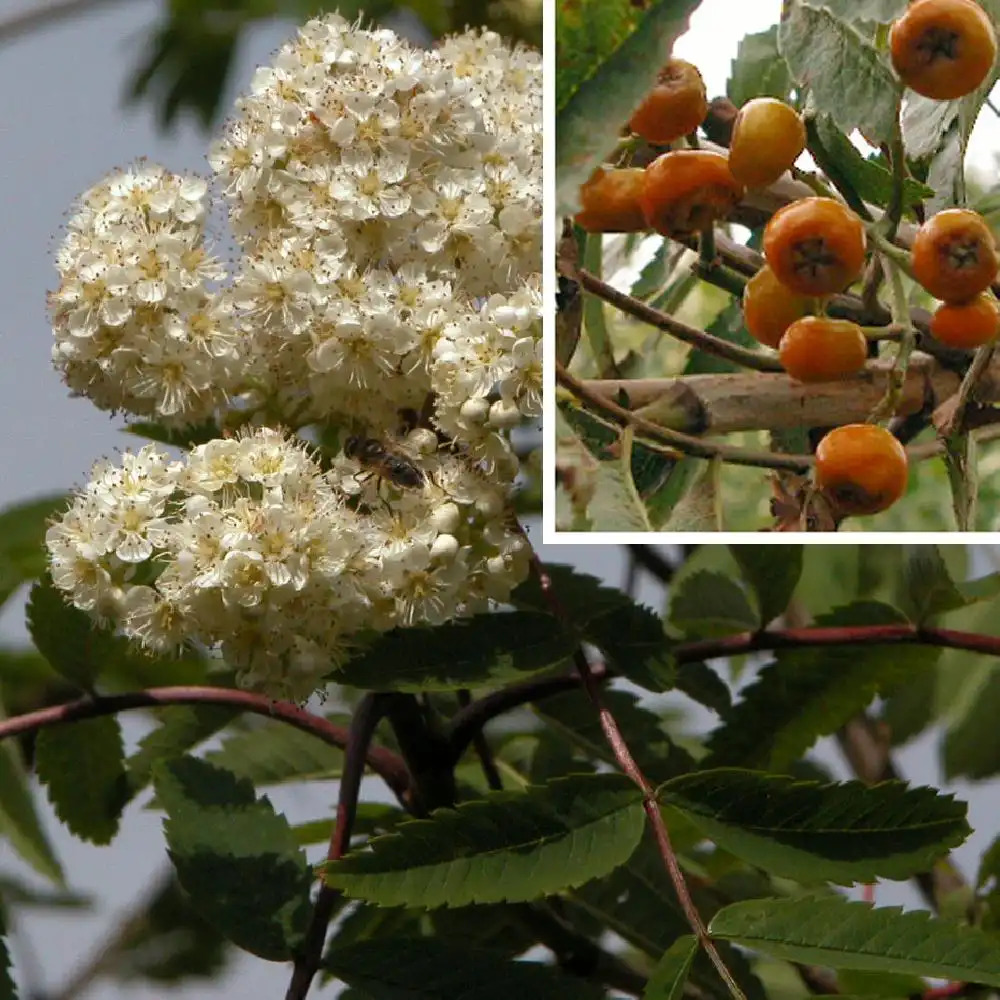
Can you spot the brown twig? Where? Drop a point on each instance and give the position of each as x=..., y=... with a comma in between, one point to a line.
x=675, y=439
x=727, y=402
x=681, y=331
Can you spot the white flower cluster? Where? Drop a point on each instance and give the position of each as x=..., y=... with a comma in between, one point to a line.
x=386, y=203
x=137, y=325
x=249, y=547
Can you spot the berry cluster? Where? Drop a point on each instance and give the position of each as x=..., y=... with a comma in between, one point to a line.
x=816, y=247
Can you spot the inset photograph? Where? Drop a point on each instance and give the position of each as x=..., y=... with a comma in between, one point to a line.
x=777, y=267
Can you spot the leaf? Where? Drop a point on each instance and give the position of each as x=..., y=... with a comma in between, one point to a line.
x=512, y=846
x=487, y=650
x=595, y=324
x=758, y=69
x=983, y=588
x=20, y=826
x=702, y=684
x=808, y=693
x=602, y=75
x=971, y=747
x=773, y=572
x=872, y=182
x=82, y=768
x=168, y=942
x=670, y=975
x=68, y=638
x=616, y=505
x=22, y=540
x=181, y=728
x=630, y=636
x=700, y=507
x=235, y=857
x=274, y=753
x=572, y=715
x=182, y=437
x=881, y=11
x=847, y=935
x=808, y=831
x=711, y=604
x=420, y=968
x=927, y=588
x=845, y=74
x=727, y=325
x=638, y=903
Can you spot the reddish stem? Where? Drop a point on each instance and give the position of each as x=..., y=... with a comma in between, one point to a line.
x=625, y=760
x=388, y=765
x=840, y=635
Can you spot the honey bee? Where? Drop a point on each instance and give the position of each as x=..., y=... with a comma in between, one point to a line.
x=385, y=462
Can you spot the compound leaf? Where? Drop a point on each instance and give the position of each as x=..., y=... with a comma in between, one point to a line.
x=830, y=931
x=809, y=831
x=808, y=693
x=490, y=649
x=235, y=856
x=418, y=968
x=512, y=846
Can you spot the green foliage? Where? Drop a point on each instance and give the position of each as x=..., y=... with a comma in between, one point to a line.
x=573, y=717
x=602, y=73
x=167, y=943
x=516, y=846
x=187, y=60
x=272, y=754
x=845, y=75
x=772, y=572
x=427, y=968
x=20, y=826
x=235, y=857
x=807, y=693
x=22, y=532
x=83, y=771
x=491, y=649
x=180, y=728
x=867, y=177
x=855, y=936
x=841, y=833
x=758, y=69
x=669, y=976
x=711, y=604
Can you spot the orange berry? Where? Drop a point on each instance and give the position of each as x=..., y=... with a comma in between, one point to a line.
x=955, y=255
x=943, y=48
x=768, y=137
x=610, y=201
x=862, y=468
x=815, y=246
x=769, y=308
x=686, y=190
x=819, y=349
x=967, y=324
x=675, y=107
